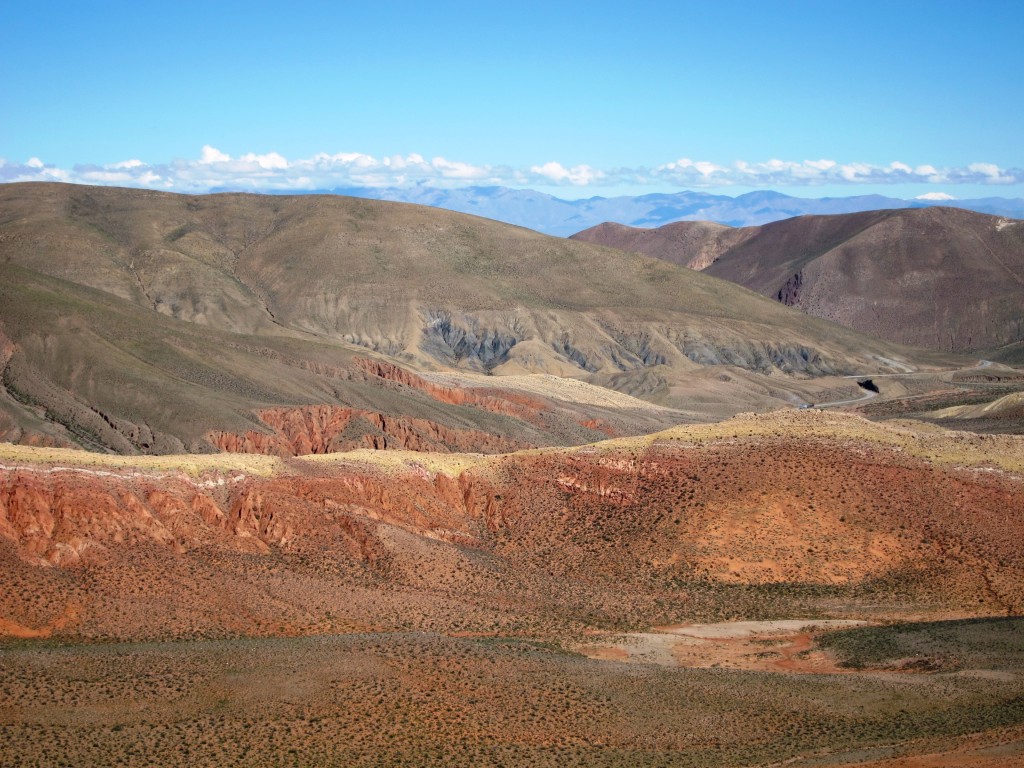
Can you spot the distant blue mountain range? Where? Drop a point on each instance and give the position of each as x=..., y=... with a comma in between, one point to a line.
x=554, y=216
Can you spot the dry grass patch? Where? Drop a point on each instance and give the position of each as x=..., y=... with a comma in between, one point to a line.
x=557, y=387
x=191, y=464
x=914, y=438
x=450, y=464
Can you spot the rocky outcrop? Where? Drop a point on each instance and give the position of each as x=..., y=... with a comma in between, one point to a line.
x=70, y=520
x=76, y=517
x=789, y=293
x=763, y=357
x=462, y=341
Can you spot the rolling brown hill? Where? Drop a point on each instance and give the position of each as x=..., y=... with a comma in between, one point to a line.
x=140, y=321
x=1003, y=415
x=942, y=278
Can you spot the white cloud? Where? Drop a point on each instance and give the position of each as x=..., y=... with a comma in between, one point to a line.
x=855, y=171
x=931, y=174
x=270, y=161
x=578, y=175
x=107, y=177
x=684, y=166
x=935, y=196
x=211, y=155
x=994, y=173
x=450, y=170
x=271, y=171
x=33, y=169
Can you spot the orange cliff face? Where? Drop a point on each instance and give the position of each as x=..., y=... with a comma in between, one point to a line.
x=71, y=517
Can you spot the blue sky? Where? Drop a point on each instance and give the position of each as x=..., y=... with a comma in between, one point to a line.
x=575, y=98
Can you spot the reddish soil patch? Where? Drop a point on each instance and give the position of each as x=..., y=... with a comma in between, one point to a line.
x=766, y=650
x=65, y=621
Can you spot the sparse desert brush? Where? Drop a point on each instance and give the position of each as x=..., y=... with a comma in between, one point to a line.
x=385, y=698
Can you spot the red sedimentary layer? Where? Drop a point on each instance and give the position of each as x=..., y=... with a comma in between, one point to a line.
x=493, y=400
x=70, y=516
x=319, y=429
x=627, y=526
x=735, y=515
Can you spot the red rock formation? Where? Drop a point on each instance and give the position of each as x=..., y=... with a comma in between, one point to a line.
x=555, y=529
x=61, y=519
x=494, y=400
x=320, y=429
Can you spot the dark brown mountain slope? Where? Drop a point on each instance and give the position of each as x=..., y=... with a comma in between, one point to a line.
x=693, y=244
x=941, y=278
x=134, y=320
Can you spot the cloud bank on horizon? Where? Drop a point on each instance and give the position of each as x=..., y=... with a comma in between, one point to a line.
x=274, y=172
